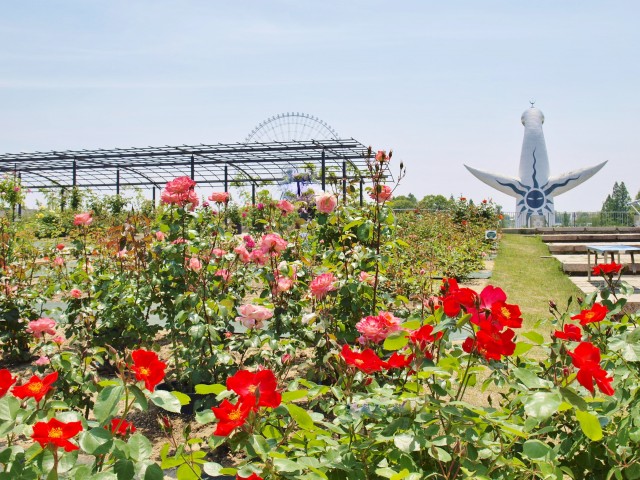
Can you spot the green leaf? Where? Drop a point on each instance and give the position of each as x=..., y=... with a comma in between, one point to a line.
x=124, y=469
x=166, y=401
x=96, y=441
x=535, y=337
x=396, y=340
x=141, y=399
x=411, y=325
x=590, y=425
x=188, y=472
x=406, y=442
x=301, y=417
x=9, y=408
x=284, y=465
x=522, y=348
x=573, y=398
x=214, y=389
x=140, y=447
x=293, y=395
x=535, y=449
x=153, y=472
x=183, y=398
x=107, y=403
x=541, y=405
x=530, y=379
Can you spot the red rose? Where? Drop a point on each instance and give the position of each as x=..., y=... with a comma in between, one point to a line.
x=367, y=360
x=6, y=380
x=569, y=332
x=55, y=432
x=36, y=387
x=261, y=387
x=231, y=416
x=586, y=357
x=597, y=313
x=148, y=368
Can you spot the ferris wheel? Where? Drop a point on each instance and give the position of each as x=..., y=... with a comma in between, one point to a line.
x=286, y=127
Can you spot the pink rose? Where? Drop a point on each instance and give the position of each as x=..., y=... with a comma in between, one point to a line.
x=249, y=241
x=180, y=191
x=58, y=340
x=243, y=254
x=381, y=194
x=178, y=241
x=218, y=252
x=160, y=236
x=58, y=261
x=285, y=206
x=75, y=293
x=366, y=278
x=381, y=156
x=273, y=243
x=42, y=361
x=122, y=253
x=219, y=197
x=376, y=329
x=322, y=284
x=83, y=219
x=259, y=257
x=326, y=202
x=284, y=284
x=194, y=264
x=252, y=316
x=224, y=273
x=42, y=326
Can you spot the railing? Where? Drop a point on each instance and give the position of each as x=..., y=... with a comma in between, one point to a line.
x=578, y=219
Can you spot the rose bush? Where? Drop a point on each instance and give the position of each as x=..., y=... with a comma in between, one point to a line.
x=311, y=348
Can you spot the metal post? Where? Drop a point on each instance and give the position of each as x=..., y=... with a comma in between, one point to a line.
x=75, y=167
x=226, y=178
x=253, y=194
x=20, y=205
x=323, y=172
x=62, y=202
x=117, y=181
x=361, y=191
x=344, y=181
x=193, y=168
x=153, y=196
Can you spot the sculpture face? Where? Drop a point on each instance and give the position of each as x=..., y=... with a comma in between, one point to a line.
x=534, y=189
x=534, y=199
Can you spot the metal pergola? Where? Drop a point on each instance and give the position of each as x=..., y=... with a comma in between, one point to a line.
x=219, y=165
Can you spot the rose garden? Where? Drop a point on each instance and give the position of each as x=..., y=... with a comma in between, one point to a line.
x=308, y=338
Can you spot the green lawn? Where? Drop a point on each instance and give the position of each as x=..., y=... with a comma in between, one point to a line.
x=530, y=278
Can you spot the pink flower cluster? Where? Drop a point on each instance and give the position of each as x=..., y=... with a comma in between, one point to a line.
x=253, y=316
x=377, y=329
x=273, y=244
x=285, y=206
x=180, y=191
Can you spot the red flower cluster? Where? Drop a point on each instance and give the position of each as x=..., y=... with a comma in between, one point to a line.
x=57, y=433
x=255, y=390
x=597, y=313
x=454, y=297
x=607, y=269
x=368, y=362
x=148, y=368
x=36, y=387
x=495, y=319
x=586, y=358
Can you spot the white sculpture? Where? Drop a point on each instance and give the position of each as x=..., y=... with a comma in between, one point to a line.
x=534, y=190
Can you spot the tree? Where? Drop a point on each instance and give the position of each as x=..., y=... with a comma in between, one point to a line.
x=405, y=202
x=618, y=200
x=436, y=203
x=615, y=208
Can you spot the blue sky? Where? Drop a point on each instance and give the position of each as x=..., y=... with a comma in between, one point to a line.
x=442, y=83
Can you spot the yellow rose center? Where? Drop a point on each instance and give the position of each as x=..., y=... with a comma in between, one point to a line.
x=589, y=315
x=357, y=361
x=55, y=432
x=144, y=371
x=35, y=387
x=235, y=414
x=505, y=312
x=252, y=389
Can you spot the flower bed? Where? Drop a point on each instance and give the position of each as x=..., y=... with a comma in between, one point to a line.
x=316, y=348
